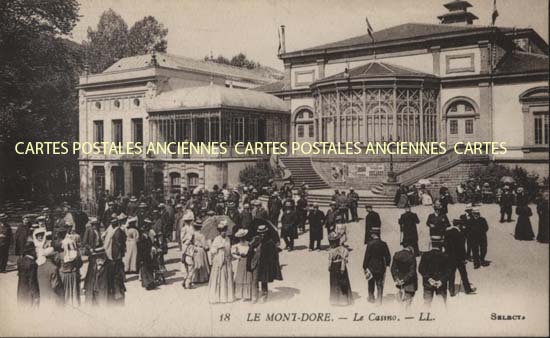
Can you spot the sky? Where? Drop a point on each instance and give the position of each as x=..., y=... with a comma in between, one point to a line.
x=227, y=27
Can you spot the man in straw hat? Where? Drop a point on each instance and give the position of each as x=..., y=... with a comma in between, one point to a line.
x=115, y=248
x=506, y=201
x=465, y=225
x=377, y=258
x=5, y=241
x=478, y=238
x=434, y=268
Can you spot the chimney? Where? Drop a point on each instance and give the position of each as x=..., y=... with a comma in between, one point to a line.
x=283, y=47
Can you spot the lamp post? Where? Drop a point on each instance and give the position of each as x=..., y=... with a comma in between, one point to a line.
x=391, y=173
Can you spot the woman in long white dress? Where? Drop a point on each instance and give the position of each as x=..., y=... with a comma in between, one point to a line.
x=221, y=286
x=131, y=255
x=243, y=277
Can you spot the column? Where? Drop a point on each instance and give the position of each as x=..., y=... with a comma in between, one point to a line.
x=108, y=177
x=127, y=170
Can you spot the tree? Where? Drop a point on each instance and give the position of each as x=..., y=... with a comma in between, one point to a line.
x=112, y=40
x=239, y=60
x=38, y=77
x=147, y=35
x=108, y=43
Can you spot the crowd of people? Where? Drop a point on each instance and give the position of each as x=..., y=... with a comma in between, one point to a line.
x=213, y=229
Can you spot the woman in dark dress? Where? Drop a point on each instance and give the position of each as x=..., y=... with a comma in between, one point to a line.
x=544, y=221
x=340, y=288
x=524, y=230
x=146, y=259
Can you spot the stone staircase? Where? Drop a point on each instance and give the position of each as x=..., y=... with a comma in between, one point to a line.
x=303, y=172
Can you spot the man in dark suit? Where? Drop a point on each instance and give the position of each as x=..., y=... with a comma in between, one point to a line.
x=434, y=268
x=377, y=258
x=454, y=248
x=407, y=223
x=274, y=207
x=506, y=202
x=372, y=220
x=331, y=217
x=316, y=220
x=437, y=221
x=289, y=226
x=403, y=270
x=301, y=211
x=353, y=198
x=478, y=237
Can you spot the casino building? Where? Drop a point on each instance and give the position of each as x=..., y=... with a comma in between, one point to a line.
x=168, y=98
x=451, y=81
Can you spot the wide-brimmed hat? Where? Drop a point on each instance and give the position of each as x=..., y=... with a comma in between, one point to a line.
x=315, y=205
x=142, y=205
x=334, y=236
x=147, y=221
x=231, y=204
x=179, y=206
x=222, y=226
x=475, y=211
x=468, y=207
x=93, y=220
x=261, y=228
x=437, y=241
x=122, y=217
x=375, y=230
x=210, y=213
x=98, y=251
x=241, y=233
x=133, y=199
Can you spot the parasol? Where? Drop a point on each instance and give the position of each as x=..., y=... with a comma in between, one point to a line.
x=210, y=226
x=507, y=179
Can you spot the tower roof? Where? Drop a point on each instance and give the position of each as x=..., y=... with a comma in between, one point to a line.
x=457, y=4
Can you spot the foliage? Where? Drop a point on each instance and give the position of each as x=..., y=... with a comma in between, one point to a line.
x=112, y=40
x=239, y=60
x=147, y=35
x=493, y=173
x=38, y=77
x=257, y=175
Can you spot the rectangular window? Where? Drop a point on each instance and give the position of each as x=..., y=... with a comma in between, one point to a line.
x=469, y=126
x=300, y=131
x=261, y=131
x=137, y=130
x=453, y=127
x=542, y=129
x=238, y=129
x=214, y=129
x=98, y=131
x=311, y=131
x=116, y=131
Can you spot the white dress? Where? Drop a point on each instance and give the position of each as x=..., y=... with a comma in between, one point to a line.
x=221, y=286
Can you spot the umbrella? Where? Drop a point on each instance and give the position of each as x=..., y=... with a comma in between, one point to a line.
x=210, y=226
x=507, y=179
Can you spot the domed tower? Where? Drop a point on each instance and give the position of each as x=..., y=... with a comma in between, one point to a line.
x=458, y=13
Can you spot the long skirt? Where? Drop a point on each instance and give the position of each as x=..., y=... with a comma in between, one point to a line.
x=147, y=275
x=221, y=286
x=340, y=288
x=71, y=287
x=243, y=281
x=115, y=280
x=524, y=230
x=131, y=256
x=90, y=279
x=202, y=267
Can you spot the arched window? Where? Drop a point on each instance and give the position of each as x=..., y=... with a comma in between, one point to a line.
x=461, y=108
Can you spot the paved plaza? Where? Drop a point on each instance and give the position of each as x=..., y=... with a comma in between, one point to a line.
x=516, y=283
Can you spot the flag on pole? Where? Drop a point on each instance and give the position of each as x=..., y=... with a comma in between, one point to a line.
x=495, y=13
x=370, y=31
